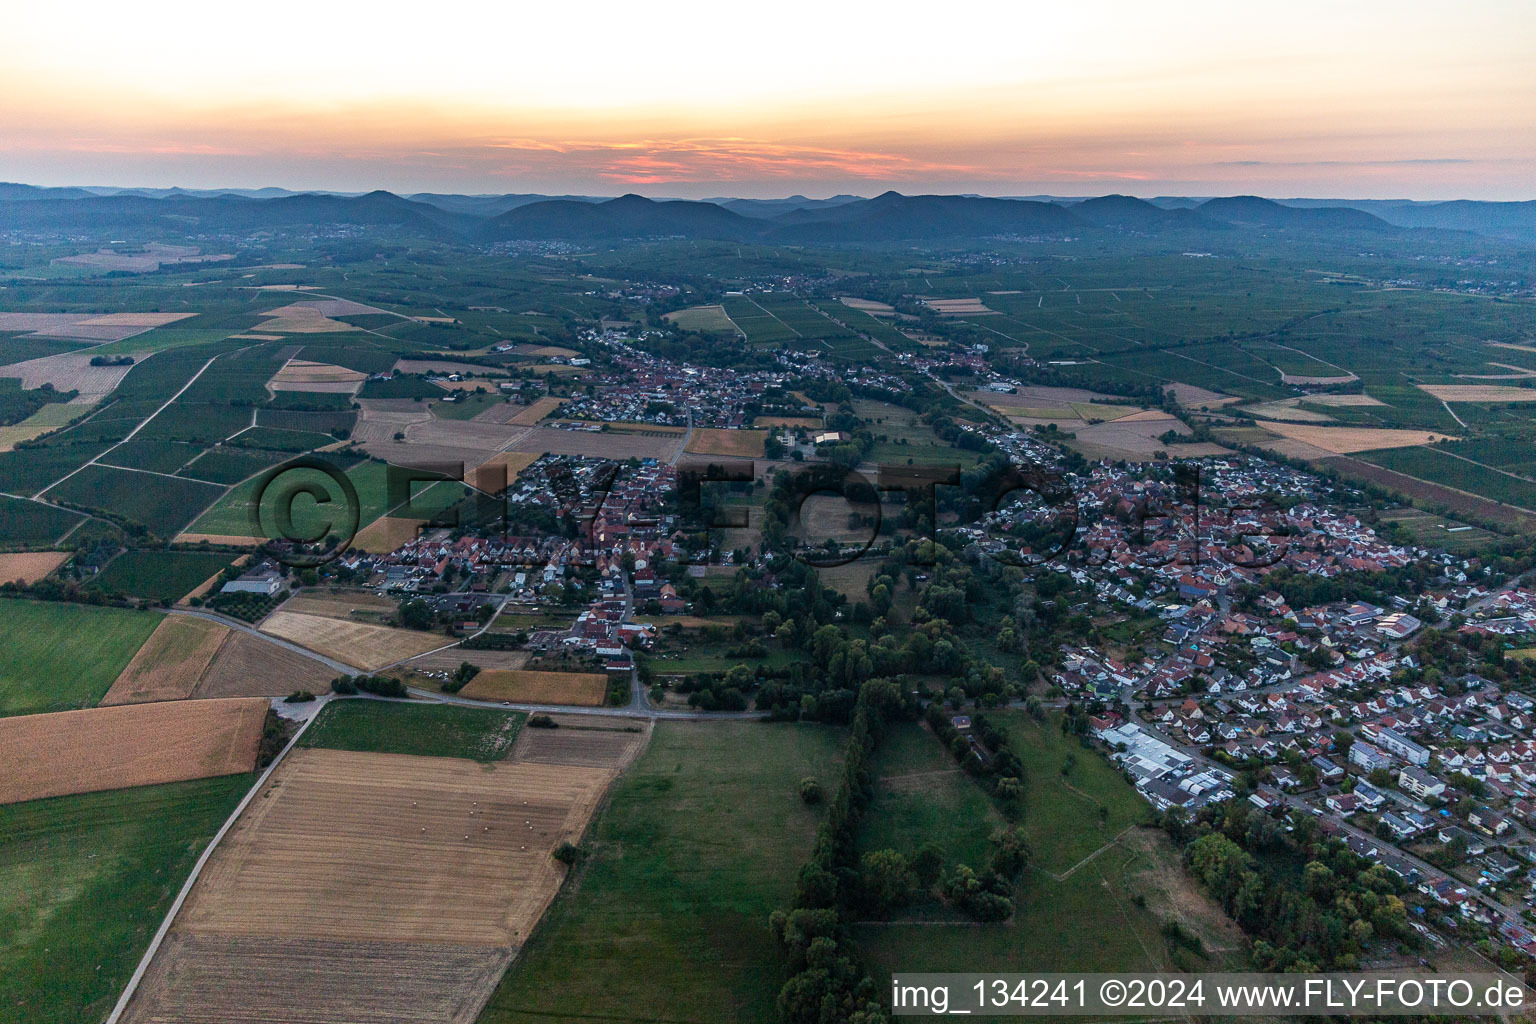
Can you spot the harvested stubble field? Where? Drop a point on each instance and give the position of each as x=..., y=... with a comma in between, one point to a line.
x=790, y=422
x=171, y=663
x=581, y=741
x=370, y=847
x=368, y=647
x=344, y=604
x=387, y=533
x=741, y=444
x=247, y=666
x=1479, y=392
x=136, y=745
x=217, y=979
x=532, y=414
x=1344, y=440
x=365, y=888
x=455, y=656
x=521, y=686
x=29, y=566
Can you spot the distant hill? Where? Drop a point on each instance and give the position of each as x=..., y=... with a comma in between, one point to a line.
x=843, y=219
x=1128, y=213
x=182, y=214
x=628, y=216
x=11, y=191
x=1257, y=212
x=491, y=205
x=895, y=217
x=766, y=208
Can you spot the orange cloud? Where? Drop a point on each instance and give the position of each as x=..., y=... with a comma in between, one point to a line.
x=669, y=161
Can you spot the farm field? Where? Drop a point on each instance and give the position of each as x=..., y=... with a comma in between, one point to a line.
x=84, y=882
x=1449, y=470
x=426, y=730
x=159, y=575
x=340, y=603
x=135, y=745
x=171, y=663
x=33, y=523
x=1347, y=440
x=461, y=872
x=532, y=414
x=165, y=508
x=741, y=444
x=329, y=810
x=521, y=686
x=356, y=643
x=28, y=567
x=62, y=656
x=709, y=319
x=246, y=666
x=699, y=842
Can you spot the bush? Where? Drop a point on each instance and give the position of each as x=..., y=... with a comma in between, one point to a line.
x=299, y=697
x=567, y=853
x=542, y=722
x=810, y=790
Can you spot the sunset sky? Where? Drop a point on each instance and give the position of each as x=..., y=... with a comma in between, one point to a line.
x=1347, y=99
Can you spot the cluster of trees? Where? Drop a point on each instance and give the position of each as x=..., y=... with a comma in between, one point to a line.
x=383, y=686
x=1324, y=920
x=826, y=983
x=461, y=677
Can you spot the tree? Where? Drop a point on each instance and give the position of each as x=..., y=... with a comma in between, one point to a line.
x=416, y=614
x=887, y=880
x=810, y=790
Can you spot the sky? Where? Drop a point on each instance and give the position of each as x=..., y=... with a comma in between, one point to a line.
x=1351, y=99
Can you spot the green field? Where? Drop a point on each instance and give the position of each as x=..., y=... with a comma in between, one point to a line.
x=162, y=504
x=1075, y=913
x=64, y=656
x=33, y=523
x=466, y=407
x=708, y=319
x=84, y=883
x=668, y=920
x=923, y=795
x=434, y=730
x=159, y=575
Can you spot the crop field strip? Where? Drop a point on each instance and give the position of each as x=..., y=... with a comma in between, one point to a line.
x=284, y=923
x=134, y=745
x=171, y=663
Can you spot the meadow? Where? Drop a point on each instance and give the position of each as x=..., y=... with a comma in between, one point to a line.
x=64, y=656
x=1099, y=886
x=436, y=730
x=84, y=882
x=700, y=840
